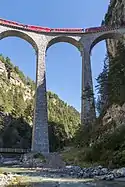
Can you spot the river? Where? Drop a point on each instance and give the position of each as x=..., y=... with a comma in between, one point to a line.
x=38, y=178
x=78, y=184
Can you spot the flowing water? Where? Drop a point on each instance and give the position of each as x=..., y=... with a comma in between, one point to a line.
x=48, y=184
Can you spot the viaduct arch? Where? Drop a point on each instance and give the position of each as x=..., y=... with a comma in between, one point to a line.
x=65, y=39
x=41, y=42
x=105, y=36
x=21, y=35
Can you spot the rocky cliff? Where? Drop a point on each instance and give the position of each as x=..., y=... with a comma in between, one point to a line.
x=115, y=16
x=13, y=79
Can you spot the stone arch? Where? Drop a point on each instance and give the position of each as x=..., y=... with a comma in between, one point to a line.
x=113, y=35
x=21, y=35
x=65, y=39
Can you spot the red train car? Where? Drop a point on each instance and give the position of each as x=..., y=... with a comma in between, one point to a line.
x=93, y=29
x=7, y=22
x=29, y=27
x=67, y=30
x=98, y=29
x=38, y=28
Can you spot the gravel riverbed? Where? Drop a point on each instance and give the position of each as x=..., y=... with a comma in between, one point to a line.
x=69, y=176
x=32, y=171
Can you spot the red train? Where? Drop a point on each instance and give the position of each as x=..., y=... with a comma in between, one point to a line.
x=67, y=30
x=28, y=27
x=46, y=29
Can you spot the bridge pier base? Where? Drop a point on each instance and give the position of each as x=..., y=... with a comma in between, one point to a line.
x=88, y=114
x=40, y=140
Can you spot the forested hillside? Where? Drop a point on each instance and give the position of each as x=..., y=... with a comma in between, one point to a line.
x=16, y=111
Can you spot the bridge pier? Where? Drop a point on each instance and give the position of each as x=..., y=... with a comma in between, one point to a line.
x=88, y=114
x=40, y=139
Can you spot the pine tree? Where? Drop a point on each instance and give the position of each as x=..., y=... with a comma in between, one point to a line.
x=18, y=102
x=111, y=81
x=102, y=86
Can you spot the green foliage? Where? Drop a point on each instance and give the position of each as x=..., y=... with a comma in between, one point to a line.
x=8, y=64
x=17, y=134
x=76, y=156
x=108, y=150
x=111, y=82
x=30, y=83
x=105, y=143
x=40, y=156
x=10, y=67
x=60, y=113
x=83, y=136
x=57, y=136
x=2, y=58
x=116, y=76
x=20, y=73
x=102, y=87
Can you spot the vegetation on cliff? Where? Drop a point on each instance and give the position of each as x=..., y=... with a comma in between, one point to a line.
x=16, y=111
x=104, y=141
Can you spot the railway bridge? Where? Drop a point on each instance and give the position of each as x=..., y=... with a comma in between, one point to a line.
x=84, y=42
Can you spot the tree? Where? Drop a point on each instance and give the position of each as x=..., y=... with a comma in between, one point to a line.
x=29, y=111
x=18, y=102
x=102, y=86
x=8, y=63
x=111, y=81
x=57, y=136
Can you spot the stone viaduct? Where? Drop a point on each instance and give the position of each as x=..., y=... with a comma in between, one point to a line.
x=84, y=42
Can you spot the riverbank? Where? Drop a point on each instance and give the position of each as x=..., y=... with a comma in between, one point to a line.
x=36, y=169
x=37, y=175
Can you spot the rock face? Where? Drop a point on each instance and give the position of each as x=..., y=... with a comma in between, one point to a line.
x=113, y=119
x=14, y=80
x=119, y=172
x=114, y=17
x=115, y=113
x=2, y=68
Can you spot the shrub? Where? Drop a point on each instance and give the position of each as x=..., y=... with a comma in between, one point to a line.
x=40, y=156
